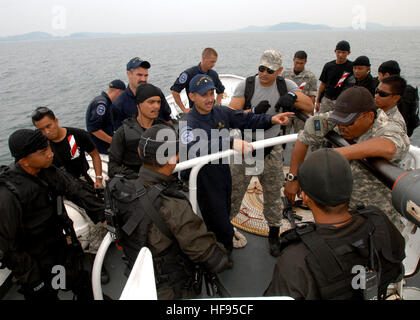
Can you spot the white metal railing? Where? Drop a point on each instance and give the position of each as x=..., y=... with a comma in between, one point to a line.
x=196, y=164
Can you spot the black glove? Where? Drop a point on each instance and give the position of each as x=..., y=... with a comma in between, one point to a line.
x=262, y=107
x=286, y=102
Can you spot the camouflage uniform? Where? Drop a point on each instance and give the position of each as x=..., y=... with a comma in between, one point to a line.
x=395, y=115
x=326, y=105
x=271, y=179
x=367, y=189
x=310, y=89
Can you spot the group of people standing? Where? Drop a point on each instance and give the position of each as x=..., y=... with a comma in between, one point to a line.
x=125, y=122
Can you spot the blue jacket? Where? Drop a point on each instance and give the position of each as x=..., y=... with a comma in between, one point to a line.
x=98, y=117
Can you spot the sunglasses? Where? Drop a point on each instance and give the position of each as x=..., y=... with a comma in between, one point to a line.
x=383, y=94
x=262, y=69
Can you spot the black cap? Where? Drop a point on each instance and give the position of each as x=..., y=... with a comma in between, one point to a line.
x=362, y=61
x=392, y=67
x=350, y=104
x=137, y=62
x=23, y=142
x=343, y=46
x=117, y=84
x=326, y=177
x=159, y=135
x=146, y=90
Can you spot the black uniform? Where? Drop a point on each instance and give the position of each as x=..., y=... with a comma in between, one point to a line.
x=301, y=273
x=31, y=232
x=369, y=83
x=69, y=153
x=331, y=74
x=98, y=117
x=123, y=156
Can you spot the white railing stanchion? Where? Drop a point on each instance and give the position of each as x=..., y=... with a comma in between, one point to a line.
x=97, y=267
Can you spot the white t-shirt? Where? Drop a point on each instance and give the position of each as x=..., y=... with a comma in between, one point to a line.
x=271, y=94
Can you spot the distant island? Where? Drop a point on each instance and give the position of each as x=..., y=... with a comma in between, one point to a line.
x=285, y=26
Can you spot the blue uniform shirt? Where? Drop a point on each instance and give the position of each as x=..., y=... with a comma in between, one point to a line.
x=125, y=106
x=184, y=79
x=98, y=117
x=214, y=181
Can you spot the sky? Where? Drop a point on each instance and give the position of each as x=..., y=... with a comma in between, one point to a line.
x=63, y=17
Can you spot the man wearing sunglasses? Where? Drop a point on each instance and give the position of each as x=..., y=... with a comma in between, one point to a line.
x=387, y=96
x=269, y=93
x=408, y=105
x=357, y=119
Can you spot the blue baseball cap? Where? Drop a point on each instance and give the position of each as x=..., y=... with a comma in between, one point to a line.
x=137, y=62
x=201, y=83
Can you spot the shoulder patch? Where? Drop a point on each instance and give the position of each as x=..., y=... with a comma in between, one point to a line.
x=100, y=109
x=186, y=135
x=183, y=78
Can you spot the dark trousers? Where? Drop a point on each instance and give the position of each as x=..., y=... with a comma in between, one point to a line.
x=214, y=189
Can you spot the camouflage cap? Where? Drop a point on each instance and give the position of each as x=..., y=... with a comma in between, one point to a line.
x=271, y=59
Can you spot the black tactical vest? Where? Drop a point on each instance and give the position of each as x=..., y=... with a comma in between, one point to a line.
x=39, y=224
x=136, y=209
x=331, y=261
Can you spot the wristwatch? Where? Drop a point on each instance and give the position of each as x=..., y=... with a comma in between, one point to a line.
x=99, y=177
x=291, y=177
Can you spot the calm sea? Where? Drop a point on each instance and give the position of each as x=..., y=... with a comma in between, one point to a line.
x=67, y=74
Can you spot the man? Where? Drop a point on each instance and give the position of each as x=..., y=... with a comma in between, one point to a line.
x=123, y=156
x=362, y=75
x=176, y=236
x=319, y=260
x=32, y=216
x=98, y=116
x=267, y=93
x=387, y=96
x=206, y=130
x=409, y=102
x=333, y=78
x=125, y=105
x=357, y=119
x=208, y=61
x=69, y=146
x=305, y=80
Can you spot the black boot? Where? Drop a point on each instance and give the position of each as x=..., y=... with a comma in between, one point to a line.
x=273, y=240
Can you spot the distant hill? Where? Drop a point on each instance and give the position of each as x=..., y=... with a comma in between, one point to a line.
x=285, y=26
x=297, y=26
